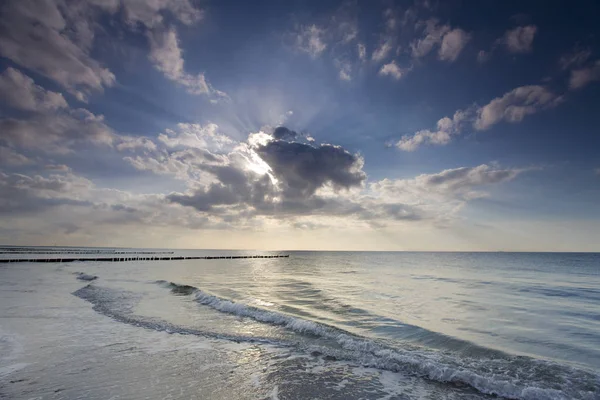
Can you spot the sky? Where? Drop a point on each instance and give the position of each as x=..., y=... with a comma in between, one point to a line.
x=301, y=125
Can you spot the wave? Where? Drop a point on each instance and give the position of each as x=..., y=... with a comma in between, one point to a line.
x=511, y=377
x=85, y=277
x=119, y=305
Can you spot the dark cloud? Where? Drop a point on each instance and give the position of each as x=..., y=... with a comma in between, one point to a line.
x=32, y=35
x=24, y=194
x=55, y=133
x=299, y=171
x=235, y=188
x=302, y=168
x=283, y=133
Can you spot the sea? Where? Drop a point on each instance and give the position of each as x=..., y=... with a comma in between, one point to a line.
x=314, y=325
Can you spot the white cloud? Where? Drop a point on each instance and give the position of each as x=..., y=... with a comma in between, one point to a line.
x=20, y=92
x=130, y=143
x=311, y=40
x=362, y=51
x=11, y=158
x=382, y=51
x=345, y=70
x=196, y=136
x=392, y=70
x=512, y=107
x=576, y=58
x=519, y=39
x=411, y=143
x=57, y=167
x=388, y=38
x=149, y=13
x=583, y=76
x=446, y=127
x=442, y=195
x=434, y=35
x=515, y=105
x=167, y=57
x=452, y=44
x=344, y=23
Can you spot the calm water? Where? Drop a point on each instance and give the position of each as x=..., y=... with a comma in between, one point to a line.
x=315, y=325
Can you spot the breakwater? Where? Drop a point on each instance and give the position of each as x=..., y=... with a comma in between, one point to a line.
x=135, y=258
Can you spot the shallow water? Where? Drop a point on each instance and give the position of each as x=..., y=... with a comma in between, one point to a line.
x=315, y=325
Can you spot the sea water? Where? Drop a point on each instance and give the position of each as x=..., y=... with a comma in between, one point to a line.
x=347, y=325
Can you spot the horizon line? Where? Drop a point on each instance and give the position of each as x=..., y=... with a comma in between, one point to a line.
x=305, y=250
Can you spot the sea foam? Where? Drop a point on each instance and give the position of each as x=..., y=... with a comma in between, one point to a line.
x=510, y=377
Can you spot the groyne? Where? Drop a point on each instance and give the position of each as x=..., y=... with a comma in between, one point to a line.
x=136, y=258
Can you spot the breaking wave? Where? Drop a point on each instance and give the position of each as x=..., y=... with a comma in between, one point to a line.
x=512, y=377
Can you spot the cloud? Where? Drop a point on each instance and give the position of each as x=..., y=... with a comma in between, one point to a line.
x=57, y=167
x=512, y=107
x=135, y=143
x=195, y=136
x=302, y=169
x=56, y=133
x=457, y=183
x=458, y=180
x=583, y=76
x=452, y=44
x=311, y=40
x=392, y=70
x=344, y=67
x=576, y=58
x=381, y=52
x=269, y=178
x=34, y=36
x=411, y=143
x=11, y=158
x=167, y=57
x=388, y=38
x=483, y=56
x=442, y=195
x=55, y=39
x=446, y=127
x=266, y=176
x=362, y=51
x=20, y=92
x=515, y=105
x=281, y=132
x=344, y=23
x=50, y=203
x=345, y=75
x=433, y=36
x=149, y=13
x=519, y=39
x=450, y=41
x=25, y=194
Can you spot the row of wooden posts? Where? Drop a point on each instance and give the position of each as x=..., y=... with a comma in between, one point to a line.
x=4, y=251
x=122, y=259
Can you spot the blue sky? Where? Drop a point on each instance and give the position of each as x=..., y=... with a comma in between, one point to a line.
x=408, y=125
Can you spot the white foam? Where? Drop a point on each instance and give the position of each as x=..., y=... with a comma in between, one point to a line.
x=295, y=324
x=433, y=365
x=9, y=369
x=274, y=393
x=85, y=277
